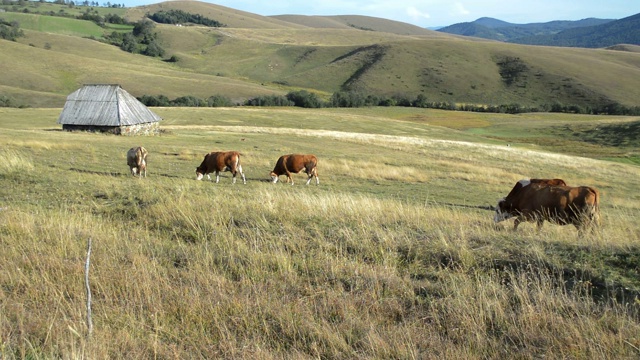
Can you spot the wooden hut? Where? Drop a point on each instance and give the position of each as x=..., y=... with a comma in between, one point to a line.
x=107, y=108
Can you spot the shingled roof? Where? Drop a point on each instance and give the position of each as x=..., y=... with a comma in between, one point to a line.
x=104, y=105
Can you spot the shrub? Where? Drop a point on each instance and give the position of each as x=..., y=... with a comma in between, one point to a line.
x=305, y=99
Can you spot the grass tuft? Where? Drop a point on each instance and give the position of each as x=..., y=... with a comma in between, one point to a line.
x=13, y=162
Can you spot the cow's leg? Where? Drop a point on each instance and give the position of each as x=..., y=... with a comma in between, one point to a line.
x=209, y=176
x=289, y=178
x=217, y=177
x=244, y=180
x=516, y=222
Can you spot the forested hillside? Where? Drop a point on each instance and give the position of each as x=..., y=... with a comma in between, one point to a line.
x=494, y=29
x=588, y=33
x=623, y=31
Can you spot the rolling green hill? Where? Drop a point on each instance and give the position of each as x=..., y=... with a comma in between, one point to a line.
x=254, y=55
x=358, y=22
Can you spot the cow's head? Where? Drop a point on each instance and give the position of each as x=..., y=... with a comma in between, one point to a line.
x=502, y=211
x=274, y=177
x=199, y=173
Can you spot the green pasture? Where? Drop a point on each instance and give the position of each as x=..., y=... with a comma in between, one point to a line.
x=55, y=24
x=399, y=153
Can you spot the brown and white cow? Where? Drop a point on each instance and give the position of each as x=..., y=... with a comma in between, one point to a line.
x=294, y=163
x=563, y=205
x=217, y=161
x=137, y=161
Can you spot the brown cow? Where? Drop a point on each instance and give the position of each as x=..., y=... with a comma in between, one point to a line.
x=561, y=205
x=137, y=161
x=294, y=163
x=217, y=161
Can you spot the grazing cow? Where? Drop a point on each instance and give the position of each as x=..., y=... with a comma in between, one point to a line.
x=217, y=161
x=137, y=161
x=563, y=205
x=294, y=163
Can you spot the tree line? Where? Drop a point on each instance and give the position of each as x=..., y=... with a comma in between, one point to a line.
x=351, y=99
x=182, y=17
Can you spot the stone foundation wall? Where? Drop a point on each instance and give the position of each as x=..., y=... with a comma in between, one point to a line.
x=140, y=129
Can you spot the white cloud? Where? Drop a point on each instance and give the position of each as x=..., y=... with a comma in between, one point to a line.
x=416, y=14
x=460, y=9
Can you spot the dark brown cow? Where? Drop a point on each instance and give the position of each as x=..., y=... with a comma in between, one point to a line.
x=294, y=163
x=217, y=161
x=563, y=205
x=137, y=161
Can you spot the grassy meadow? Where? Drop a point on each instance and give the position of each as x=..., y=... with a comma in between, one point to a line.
x=393, y=255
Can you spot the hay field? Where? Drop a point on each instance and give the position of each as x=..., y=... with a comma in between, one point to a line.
x=393, y=255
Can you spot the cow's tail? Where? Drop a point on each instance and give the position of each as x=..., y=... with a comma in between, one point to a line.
x=593, y=214
x=312, y=166
x=596, y=208
x=237, y=161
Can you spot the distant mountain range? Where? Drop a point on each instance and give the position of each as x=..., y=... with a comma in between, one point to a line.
x=589, y=33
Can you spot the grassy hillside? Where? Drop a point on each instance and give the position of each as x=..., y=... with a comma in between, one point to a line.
x=53, y=24
x=365, y=23
x=393, y=255
x=256, y=55
x=52, y=66
x=229, y=17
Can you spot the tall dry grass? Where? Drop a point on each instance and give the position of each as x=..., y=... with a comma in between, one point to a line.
x=394, y=255
x=14, y=161
x=283, y=272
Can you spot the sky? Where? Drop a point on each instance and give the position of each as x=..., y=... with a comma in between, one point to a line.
x=436, y=13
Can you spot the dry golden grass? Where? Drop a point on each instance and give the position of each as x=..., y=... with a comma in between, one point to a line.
x=392, y=256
